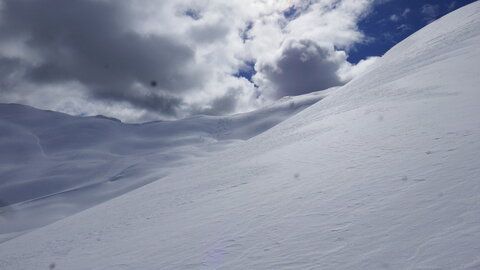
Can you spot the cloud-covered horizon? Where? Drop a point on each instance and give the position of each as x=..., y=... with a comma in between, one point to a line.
x=140, y=60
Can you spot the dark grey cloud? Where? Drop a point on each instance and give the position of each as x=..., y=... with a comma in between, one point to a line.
x=225, y=104
x=9, y=67
x=302, y=67
x=90, y=42
x=88, y=57
x=209, y=33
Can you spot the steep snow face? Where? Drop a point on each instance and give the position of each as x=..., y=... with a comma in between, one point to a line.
x=53, y=164
x=381, y=174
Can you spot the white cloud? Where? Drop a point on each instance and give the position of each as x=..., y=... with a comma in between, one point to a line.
x=350, y=72
x=400, y=16
x=452, y=5
x=430, y=12
x=394, y=18
x=100, y=56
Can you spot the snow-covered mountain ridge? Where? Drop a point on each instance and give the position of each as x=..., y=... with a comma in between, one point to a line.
x=53, y=164
x=383, y=173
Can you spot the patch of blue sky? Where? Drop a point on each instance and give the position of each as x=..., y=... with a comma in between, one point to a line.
x=393, y=20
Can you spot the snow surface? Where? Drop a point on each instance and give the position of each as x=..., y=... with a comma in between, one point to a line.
x=383, y=173
x=53, y=165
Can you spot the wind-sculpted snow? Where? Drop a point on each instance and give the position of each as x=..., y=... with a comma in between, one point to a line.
x=53, y=164
x=383, y=173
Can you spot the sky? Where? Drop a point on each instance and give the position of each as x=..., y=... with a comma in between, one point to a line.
x=143, y=60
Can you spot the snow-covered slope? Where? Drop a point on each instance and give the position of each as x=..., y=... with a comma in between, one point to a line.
x=384, y=173
x=53, y=164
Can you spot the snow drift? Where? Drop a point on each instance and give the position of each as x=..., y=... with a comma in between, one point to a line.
x=381, y=174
